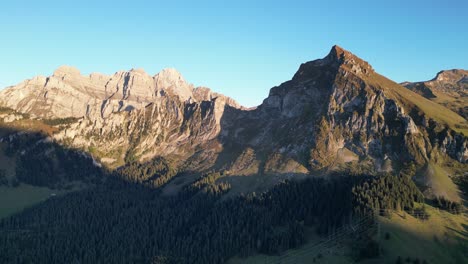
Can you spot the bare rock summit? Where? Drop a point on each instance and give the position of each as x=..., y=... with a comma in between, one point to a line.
x=67, y=93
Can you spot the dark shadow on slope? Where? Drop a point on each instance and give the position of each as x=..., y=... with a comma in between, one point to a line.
x=422, y=89
x=258, y=183
x=266, y=133
x=192, y=227
x=42, y=162
x=122, y=221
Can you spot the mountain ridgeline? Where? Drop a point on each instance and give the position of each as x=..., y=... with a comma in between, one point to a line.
x=155, y=170
x=449, y=88
x=332, y=105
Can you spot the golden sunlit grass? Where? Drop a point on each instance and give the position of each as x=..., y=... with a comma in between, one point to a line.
x=443, y=238
x=432, y=109
x=439, y=182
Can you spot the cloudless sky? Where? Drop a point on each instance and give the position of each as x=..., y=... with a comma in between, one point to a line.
x=239, y=48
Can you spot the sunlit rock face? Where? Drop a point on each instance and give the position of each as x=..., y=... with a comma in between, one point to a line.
x=67, y=93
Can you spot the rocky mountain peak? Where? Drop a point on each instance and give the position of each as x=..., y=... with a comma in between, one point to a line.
x=337, y=58
x=340, y=56
x=139, y=70
x=66, y=70
x=169, y=75
x=171, y=80
x=453, y=75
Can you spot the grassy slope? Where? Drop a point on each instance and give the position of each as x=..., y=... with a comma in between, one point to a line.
x=29, y=125
x=433, y=175
x=305, y=254
x=13, y=200
x=438, y=181
x=432, y=109
x=454, y=103
x=441, y=239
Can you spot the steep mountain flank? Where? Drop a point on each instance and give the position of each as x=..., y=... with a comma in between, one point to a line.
x=449, y=88
x=339, y=102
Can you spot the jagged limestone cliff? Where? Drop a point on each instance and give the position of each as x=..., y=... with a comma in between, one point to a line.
x=67, y=93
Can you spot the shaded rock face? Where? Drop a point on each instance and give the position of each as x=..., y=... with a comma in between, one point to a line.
x=329, y=105
x=449, y=88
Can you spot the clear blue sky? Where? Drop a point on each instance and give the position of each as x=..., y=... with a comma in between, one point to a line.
x=240, y=48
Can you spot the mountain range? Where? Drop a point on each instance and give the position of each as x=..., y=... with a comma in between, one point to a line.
x=134, y=168
x=334, y=112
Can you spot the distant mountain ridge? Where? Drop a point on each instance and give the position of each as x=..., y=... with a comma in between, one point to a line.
x=66, y=93
x=449, y=88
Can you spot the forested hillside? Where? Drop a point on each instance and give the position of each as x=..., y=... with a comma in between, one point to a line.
x=124, y=222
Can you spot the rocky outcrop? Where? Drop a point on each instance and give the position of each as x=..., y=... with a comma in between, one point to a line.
x=452, y=82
